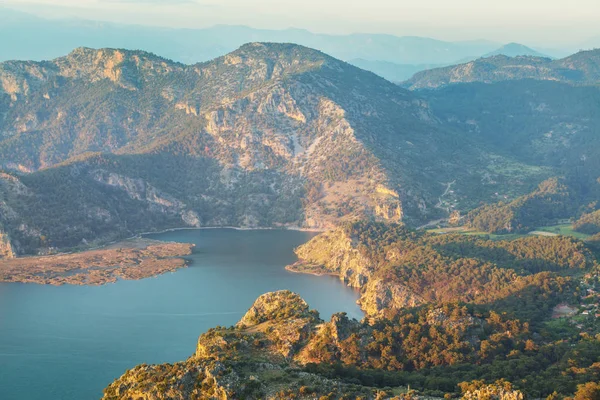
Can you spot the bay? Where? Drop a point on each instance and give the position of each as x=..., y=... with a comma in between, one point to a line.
x=69, y=342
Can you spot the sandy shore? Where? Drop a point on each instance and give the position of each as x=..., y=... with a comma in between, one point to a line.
x=130, y=259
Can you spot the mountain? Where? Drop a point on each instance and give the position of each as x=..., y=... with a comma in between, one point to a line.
x=103, y=144
x=43, y=39
x=110, y=142
x=582, y=68
x=514, y=50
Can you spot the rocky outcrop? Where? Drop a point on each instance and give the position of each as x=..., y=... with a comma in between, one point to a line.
x=275, y=306
x=247, y=361
x=335, y=252
x=338, y=253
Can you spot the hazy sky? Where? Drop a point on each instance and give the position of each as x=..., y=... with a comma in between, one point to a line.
x=550, y=23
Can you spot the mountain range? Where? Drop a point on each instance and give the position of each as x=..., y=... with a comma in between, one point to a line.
x=102, y=144
x=393, y=57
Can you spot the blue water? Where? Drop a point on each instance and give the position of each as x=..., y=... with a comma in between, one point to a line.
x=69, y=342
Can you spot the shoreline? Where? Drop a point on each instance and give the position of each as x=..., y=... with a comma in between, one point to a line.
x=236, y=228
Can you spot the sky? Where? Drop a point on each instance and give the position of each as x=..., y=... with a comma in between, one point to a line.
x=548, y=23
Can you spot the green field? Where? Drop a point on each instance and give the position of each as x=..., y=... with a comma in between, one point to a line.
x=562, y=229
x=467, y=231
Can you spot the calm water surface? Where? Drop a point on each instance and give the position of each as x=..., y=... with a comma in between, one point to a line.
x=69, y=342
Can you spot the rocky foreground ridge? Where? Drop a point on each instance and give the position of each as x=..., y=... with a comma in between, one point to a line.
x=265, y=354
x=256, y=359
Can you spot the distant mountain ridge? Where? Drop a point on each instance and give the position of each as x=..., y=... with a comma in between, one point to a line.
x=395, y=72
x=41, y=38
x=582, y=68
x=515, y=50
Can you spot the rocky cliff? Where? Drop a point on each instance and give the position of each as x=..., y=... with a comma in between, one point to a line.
x=339, y=253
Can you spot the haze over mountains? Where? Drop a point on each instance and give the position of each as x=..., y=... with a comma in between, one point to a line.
x=43, y=39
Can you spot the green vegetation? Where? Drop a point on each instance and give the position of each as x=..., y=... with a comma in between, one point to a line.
x=564, y=229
